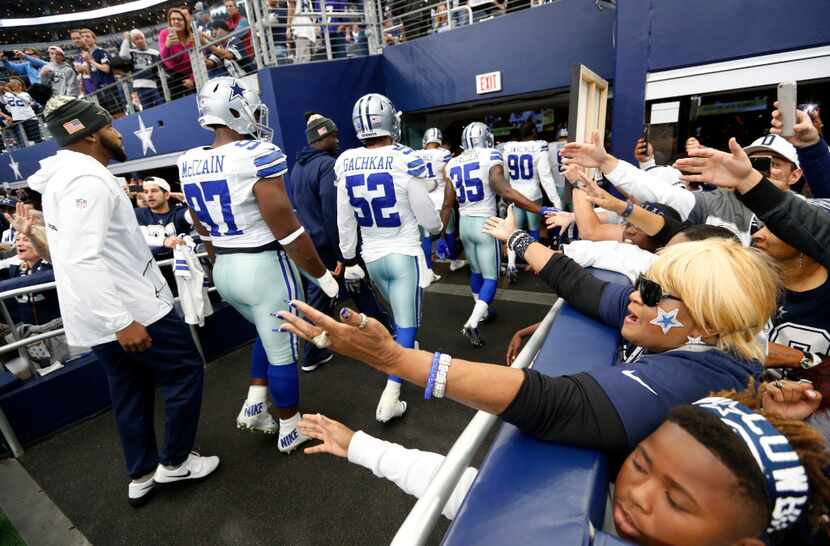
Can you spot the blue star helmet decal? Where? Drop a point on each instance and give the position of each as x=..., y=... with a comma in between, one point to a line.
x=237, y=90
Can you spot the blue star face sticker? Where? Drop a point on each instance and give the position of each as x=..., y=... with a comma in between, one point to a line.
x=666, y=320
x=236, y=90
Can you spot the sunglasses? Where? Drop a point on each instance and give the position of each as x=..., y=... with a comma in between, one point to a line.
x=651, y=292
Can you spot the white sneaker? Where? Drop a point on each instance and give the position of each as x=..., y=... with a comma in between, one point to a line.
x=455, y=265
x=195, y=467
x=290, y=439
x=314, y=365
x=435, y=277
x=390, y=406
x=139, y=492
x=254, y=416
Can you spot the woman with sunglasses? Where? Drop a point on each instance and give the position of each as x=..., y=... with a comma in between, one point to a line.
x=696, y=313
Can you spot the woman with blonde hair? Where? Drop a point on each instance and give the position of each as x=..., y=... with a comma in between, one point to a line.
x=696, y=313
x=174, y=41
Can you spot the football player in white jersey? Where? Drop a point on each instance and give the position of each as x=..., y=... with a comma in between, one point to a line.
x=235, y=188
x=528, y=168
x=435, y=159
x=381, y=191
x=476, y=178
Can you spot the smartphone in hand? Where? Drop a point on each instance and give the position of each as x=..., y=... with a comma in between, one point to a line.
x=786, y=105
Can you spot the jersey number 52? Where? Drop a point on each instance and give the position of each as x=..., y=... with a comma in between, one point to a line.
x=200, y=193
x=370, y=212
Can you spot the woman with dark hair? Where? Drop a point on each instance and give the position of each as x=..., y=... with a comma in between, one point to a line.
x=174, y=42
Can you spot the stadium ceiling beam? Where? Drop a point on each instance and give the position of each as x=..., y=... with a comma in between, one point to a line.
x=127, y=7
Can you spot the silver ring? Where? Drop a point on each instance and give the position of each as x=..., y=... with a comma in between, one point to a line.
x=321, y=340
x=779, y=384
x=364, y=321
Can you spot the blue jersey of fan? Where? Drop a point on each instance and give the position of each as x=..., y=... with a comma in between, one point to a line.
x=372, y=185
x=469, y=173
x=219, y=186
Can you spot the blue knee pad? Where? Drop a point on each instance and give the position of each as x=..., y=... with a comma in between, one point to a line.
x=259, y=361
x=488, y=290
x=426, y=244
x=476, y=280
x=284, y=384
x=534, y=233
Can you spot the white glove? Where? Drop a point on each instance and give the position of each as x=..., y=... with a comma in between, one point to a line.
x=328, y=284
x=353, y=275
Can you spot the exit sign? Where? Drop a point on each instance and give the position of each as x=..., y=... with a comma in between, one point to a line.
x=488, y=83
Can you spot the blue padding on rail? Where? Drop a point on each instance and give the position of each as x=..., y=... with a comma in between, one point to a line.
x=531, y=492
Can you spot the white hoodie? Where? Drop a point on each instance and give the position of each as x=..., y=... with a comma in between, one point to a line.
x=106, y=276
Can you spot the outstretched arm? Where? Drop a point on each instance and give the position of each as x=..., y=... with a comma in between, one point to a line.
x=502, y=187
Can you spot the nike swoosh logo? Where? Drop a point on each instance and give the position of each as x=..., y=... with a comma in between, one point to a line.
x=631, y=374
x=181, y=475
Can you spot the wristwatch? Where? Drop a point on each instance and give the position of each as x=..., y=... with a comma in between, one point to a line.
x=810, y=360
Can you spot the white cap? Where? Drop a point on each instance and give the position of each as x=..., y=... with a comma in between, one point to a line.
x=156, y=181
x=667, y=174
x=56, y=48
x=775, y=144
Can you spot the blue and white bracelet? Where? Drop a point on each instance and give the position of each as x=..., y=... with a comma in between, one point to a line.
x=437, y=381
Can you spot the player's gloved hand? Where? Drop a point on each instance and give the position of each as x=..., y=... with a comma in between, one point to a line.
x=328, y=284
x=353, y=275
x=441, y=249
x=547, y=211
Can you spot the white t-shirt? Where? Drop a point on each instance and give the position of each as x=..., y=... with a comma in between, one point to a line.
x=302, y=25
x=382, y=191
x=218, y=184
x=469, y=173
x=435, y=159
x=106, y=276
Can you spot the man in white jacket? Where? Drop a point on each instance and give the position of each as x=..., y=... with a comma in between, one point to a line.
x=114, y=299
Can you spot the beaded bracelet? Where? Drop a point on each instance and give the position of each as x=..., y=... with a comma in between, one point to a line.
x=519, y=241
x=440, y=386
x=436, y=359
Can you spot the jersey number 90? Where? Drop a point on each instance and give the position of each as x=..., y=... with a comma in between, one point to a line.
x=370, y=212
x=520, y=166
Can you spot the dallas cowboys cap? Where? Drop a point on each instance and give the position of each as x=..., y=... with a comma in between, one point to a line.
x=775, y=144
x=8, y=202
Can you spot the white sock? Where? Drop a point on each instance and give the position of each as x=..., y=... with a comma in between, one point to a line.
x=393, y=387
x=290, y=423
x=511, y=259
x=479, y=312
x=257, y=393
x=475, y=296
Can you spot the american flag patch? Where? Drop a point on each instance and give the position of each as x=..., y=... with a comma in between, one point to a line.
x=73, y=126
x=322, y=131
x=80, y=203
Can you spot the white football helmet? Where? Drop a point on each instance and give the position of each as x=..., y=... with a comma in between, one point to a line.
x=229, y=102
x=476, y=135
x=433, y=134
x=374, y=116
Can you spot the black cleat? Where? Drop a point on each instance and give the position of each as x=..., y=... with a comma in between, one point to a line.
x=473, y=335
x=491, y=316
x=512, y=276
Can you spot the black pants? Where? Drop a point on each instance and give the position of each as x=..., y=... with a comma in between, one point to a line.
x=173, y=365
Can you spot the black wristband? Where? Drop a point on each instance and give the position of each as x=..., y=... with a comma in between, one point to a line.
x=519, y=241
x=351, y=261
x=629, y=208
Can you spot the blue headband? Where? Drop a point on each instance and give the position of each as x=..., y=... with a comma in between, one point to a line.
x=786, y=479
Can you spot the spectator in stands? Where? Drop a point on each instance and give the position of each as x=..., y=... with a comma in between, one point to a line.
x=29, y=66
x=20, y=106
x=160, y=223
x=145, y=81
x=313, y=193
x=337, y=27
x=696, y=313
x=37, y=308
x=226, y=58
x=24, y=219
x=238, y=21
x=440, y=21
x=58, y=75
x=202, y=16
x=702, y=477
x=109, y=95
x=302, y=28
x=278, y=19
x=8, y=205
x=175, y=40
x=391, y=32
x=113, y=299
x=79, y=64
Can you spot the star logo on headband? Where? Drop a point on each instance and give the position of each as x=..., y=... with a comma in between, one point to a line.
x=237, y=90
x=145, y=135
x=666, y=320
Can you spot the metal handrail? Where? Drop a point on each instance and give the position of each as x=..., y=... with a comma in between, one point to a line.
x=421, y=520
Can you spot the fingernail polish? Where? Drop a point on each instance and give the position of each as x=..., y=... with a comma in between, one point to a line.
x=345, y=313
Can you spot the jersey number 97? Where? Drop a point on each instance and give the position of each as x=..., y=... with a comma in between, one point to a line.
x=198, y=194
x=371, y=211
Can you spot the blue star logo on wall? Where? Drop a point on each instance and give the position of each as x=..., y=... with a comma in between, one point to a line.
x=666, y=320
x=237, y=90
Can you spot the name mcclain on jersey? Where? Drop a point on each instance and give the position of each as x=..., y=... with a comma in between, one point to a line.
x=212, y=165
